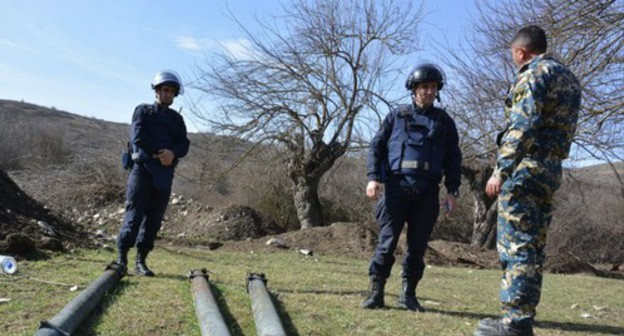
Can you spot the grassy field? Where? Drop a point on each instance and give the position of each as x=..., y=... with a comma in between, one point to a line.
x=315, y=295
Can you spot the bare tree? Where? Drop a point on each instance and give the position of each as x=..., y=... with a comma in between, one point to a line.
x=587, y=35
x=308, y=79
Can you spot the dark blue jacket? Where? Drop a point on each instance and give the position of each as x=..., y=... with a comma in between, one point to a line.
x=416, y=143
x=154, y=128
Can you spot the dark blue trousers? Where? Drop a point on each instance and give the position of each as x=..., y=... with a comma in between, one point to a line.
x=419, y=208
x=145, y=208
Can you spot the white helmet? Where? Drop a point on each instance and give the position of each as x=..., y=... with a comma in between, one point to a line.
x=168, y=77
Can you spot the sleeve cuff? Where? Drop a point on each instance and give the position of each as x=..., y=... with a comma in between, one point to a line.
x=373, y=177
x=455, y=193
x=499, y=174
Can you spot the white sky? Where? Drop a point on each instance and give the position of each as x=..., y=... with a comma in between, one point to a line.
x=97, y=58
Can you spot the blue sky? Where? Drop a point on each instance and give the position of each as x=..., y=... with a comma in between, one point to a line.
x=97, y=58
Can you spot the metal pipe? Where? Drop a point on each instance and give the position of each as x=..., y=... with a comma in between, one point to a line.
x=68, y=320
x=208, y=315
x=266, y=318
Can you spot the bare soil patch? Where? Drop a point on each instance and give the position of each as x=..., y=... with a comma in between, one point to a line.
x=26, y=226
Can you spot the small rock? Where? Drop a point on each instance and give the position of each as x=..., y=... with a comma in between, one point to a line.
x=306, y=252
x=73, y=288
x=575, y=306
x=3, y=300
x=432, y=303
x=276, y=242
x=96, y=216
x=47, y=228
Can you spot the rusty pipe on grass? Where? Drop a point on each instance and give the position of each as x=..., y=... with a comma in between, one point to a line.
x=208, y=315
x=67, y=321
x=266, y=318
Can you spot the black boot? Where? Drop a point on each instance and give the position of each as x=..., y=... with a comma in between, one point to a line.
x=376, y=298
x=408, y=296
x=141, y=266
x=496, y=327
x=122, y=257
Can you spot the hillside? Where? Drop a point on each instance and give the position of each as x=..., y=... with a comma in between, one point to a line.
x=218, y=207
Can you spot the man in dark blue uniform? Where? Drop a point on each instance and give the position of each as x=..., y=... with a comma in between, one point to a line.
x=158, y=139
x=415, y=147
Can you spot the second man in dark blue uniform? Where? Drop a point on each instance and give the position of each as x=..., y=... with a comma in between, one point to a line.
x=158, y=140
x=415, y=147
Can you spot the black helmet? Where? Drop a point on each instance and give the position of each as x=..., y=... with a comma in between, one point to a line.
x=167, y=77
x=425, y=73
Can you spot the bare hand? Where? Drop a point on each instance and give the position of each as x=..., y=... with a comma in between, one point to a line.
x=449, y=205
x=166, y=157
x=373, y=189
x=493, y=186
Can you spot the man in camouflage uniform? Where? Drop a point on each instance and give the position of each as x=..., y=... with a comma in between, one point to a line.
x=541, y=110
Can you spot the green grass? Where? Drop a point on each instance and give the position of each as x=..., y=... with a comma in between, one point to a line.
x=314, y=295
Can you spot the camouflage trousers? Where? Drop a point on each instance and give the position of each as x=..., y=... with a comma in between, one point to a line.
x=524, y=214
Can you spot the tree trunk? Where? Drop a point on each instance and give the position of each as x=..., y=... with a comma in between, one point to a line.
x=306, y=169
x=484, y=226
x=307, y=203
x=485, y=211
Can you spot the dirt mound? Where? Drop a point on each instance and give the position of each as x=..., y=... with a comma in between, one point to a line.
x=446, y=253
x=26, y=225
x=186, y=222
x=345, y=239
x=235, y=222
x=359, y=240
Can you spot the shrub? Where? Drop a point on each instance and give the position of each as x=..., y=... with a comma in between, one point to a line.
x=31, y=145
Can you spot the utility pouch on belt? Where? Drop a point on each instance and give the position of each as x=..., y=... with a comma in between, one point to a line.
x=126, y=158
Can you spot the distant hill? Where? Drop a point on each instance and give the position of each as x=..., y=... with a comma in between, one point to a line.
x=601, y=173
x=83, y=137
x=42, y=144
x=81, y=132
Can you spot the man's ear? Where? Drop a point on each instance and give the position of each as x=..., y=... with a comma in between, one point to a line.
x=524, y=54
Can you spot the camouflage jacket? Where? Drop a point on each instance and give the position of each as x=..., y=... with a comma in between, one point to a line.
x=542, y=110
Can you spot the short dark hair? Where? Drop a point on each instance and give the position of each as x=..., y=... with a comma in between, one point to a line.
x=533, y=38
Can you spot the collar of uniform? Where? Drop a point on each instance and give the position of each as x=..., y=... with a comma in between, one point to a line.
x=531, y=63
x=419, y=110
x=160, y=108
